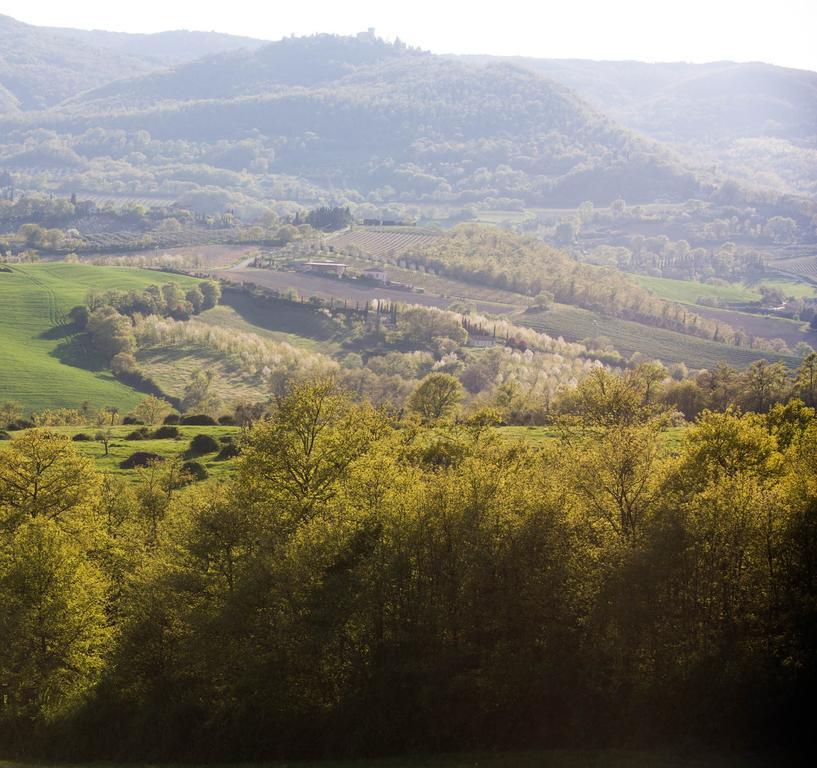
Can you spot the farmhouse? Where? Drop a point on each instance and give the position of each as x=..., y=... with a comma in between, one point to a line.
x=376, y=273
x=476, y=340
x=335, y=268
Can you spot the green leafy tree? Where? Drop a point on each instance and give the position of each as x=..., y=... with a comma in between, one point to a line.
x=436, y=397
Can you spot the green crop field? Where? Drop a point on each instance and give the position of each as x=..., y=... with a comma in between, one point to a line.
x=576, y=324
x=691, y=291
x=46, y=364
x=119, y=448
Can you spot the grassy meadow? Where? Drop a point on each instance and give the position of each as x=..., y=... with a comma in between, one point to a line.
x=691, y=291
x=47, y=364
x=119, y=448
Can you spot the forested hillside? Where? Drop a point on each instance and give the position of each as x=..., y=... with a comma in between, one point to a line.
x=757, y=121
x=39, y=69
x=373, y=120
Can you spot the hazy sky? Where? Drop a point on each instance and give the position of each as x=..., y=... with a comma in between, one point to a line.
x=776, y=31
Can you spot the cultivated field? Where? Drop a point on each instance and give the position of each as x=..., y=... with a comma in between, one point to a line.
x=764, y=326
x=802, y=266
x=46, y=363
x=329, y=287
x=575, y=324
x=382, y=241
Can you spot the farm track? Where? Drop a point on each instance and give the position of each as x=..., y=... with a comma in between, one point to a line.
x=55, y=314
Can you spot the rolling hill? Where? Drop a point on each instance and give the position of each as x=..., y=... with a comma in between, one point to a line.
x=42, y=66
x=39, y=69
x=756, y=121
x=46, y=363
x=370, y=118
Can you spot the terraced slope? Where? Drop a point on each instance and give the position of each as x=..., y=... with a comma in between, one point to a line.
x=45, y=363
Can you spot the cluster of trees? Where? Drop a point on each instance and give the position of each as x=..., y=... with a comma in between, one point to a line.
x=659, y=255
x=169, y=300
x=363, y=585
x=327, y=219
x=112, y=319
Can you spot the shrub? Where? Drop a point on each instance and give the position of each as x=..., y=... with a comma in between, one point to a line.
x=166, y=433
x=4, y=435
x=226, y=420
x=195, y=470
x=138, y=434
x=131, y=420
x=171, y=418
x=20, y=424
x=81, y=437
x=224, y=439
x=228, y=451
x=140, y=459
x=203, y=444
x=198, y=420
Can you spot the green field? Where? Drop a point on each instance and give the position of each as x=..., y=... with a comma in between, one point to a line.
x=46, y=364
x=691, y=291
x=575, y=324
x=119, y=448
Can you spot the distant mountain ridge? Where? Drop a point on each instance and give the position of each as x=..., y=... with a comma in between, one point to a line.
x=360, y=113
x=378, y=121
x=165, y=48
x=682, y=101
x=42, y=66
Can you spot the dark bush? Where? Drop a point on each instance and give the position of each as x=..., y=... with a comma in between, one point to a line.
x=203, y=444
x=229, y=451
x=166, y=433
x=195, y=470
x=81, y=437
x=20, y=424
x=138, y=434
x=225, y=439
x=140, y=459
x=171, y=418
x=131, y=420
x=198, y=420
x=227, y=420
x=4, y=435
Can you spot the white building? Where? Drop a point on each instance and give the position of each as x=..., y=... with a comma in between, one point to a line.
x=481, y=341
x=376, y=273
x=324, y=268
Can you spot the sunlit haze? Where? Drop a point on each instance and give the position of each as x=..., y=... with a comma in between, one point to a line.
x=696, y=30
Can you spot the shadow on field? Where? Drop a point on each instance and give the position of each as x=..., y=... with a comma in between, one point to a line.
x=60, y=332
x=282, y=316
x=77, y=351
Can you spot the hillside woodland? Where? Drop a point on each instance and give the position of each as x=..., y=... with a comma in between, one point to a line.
x=364, y=584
